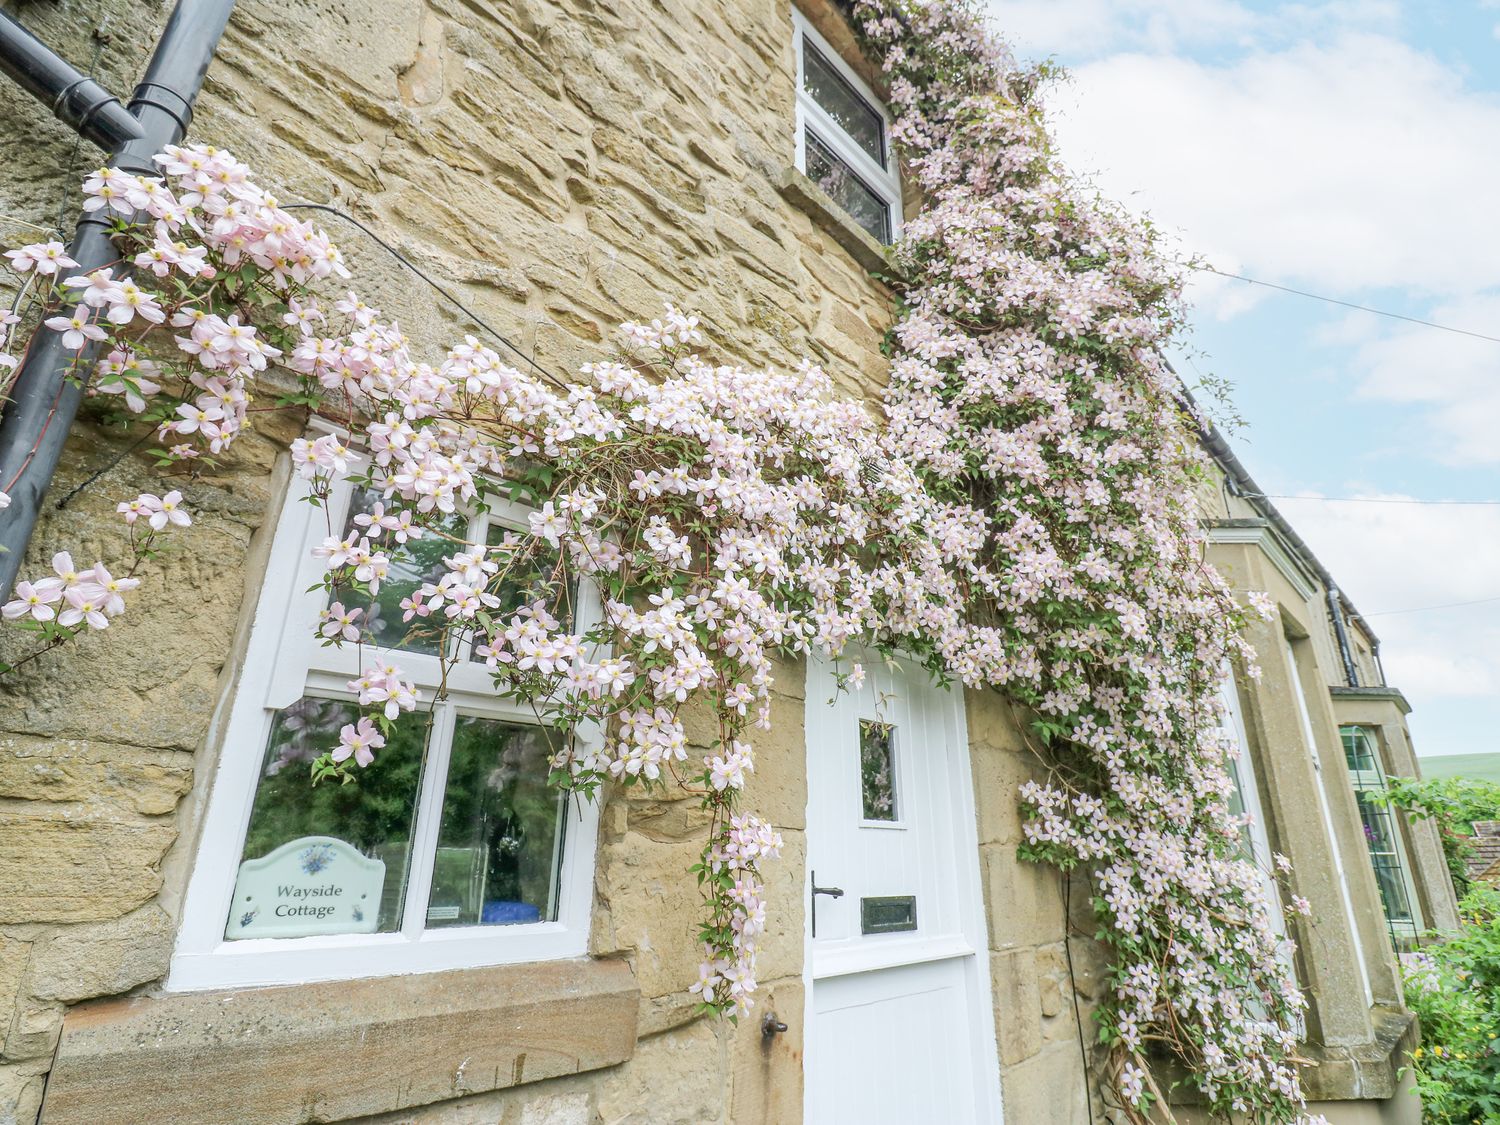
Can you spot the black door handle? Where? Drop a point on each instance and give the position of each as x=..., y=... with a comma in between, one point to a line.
x=831, y=892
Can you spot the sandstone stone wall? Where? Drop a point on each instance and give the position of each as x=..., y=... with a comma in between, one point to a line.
x=563, y=165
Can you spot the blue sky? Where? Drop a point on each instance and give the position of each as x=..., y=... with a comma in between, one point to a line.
x=1351, y=149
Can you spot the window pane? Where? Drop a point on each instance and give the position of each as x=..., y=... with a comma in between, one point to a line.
x=877, y=769
x=500, y=840
x=853, y=114
x=327, y=886
x=1237, y=808
x=1380, y=836
x=1359, y=749
x=847, y=190
x=521, y=586
x=413, y=563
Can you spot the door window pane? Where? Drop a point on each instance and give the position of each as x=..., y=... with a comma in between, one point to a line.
x=500, y=838
x=877, y=769
x=839, y=99
x=412, y=563
x=847, y=190
x=373, y=818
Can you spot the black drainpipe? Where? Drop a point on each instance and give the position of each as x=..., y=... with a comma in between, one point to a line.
x=76, y=99
x=44, y=402
x=1336, y=611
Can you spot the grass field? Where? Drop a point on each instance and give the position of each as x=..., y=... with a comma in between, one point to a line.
x=1481, y=767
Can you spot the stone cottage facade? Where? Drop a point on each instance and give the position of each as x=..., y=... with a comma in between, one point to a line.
x=563, y=166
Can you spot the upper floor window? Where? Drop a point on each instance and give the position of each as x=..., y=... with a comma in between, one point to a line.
x=451, y=850
x=1382, y=837
x=843, y=136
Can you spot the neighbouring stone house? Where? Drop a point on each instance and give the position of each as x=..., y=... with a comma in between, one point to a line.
x=564, y=165
x=1483, y=861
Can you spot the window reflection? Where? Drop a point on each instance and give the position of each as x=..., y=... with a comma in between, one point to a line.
x=500, y=838
x=375, y=816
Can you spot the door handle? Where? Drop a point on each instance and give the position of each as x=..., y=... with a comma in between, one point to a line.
x=831, y=892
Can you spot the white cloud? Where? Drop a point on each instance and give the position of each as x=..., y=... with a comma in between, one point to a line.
x=1409, y=556
x=1344, y=164
x=1087, y=27
x=1456, y=378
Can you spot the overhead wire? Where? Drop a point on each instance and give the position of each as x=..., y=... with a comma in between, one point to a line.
x=1345, y=304
x=454, y=301
x=1430, y=608
x=1372, y=499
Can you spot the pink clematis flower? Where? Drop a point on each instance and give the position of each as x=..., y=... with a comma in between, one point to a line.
x=34, y=601
x=47, y=258
x=75, y=329
x=361, y=740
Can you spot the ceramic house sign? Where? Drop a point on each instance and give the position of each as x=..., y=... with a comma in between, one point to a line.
x=315, y=885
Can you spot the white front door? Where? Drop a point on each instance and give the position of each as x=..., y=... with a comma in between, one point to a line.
x=899, y=1025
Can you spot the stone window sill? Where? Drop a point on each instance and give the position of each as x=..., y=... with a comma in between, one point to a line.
x=833, y=219
x=337, y=1050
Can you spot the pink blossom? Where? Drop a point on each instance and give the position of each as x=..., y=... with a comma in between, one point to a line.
x=34, y=601
x=361, y=740
x=76, y=329
x=47, y=258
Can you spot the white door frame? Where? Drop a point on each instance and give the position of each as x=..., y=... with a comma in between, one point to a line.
x=974, y=942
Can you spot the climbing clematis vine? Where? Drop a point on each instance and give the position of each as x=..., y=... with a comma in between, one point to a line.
x=1021, y=519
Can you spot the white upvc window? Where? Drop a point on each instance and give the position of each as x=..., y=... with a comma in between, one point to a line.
x=844, y=136
x=450, y=851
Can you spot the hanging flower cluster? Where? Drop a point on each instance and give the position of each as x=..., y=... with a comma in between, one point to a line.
x=1023, y=521
x=1028, y=385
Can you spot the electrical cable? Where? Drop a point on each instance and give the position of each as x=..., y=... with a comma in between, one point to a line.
x=1428, y=608
x=1083, y=1049
x=1372, y=499
x=409, y=264
x=1345, y=304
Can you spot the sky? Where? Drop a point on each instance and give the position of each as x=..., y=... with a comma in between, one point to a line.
x=1351, y=149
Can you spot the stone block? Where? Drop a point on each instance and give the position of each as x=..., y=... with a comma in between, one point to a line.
x=667, y=1081
x=1050, y=1086
x=766, y=1071
x=102, y=959
x=342, y=1049
x=63, y=868
x=1023, y=900
x=15, y=956
x=33, y=1031
x=21, y=1088
x=1017, y=1001
x=572, y=1108
x=149, y=782
x=999, y=774
x=647, y=909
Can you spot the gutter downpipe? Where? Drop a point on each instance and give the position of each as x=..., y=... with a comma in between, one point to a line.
x=44, y=398
x=1336, y=611
x=77, y=100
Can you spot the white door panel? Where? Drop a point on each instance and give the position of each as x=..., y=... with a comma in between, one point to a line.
x=900, y=1028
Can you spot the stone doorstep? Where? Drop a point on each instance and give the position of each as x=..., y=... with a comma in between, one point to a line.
x=341, y=1049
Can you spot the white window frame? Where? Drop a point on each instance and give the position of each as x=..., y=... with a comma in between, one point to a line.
x=284, y=661
x=884, y=182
